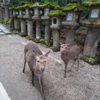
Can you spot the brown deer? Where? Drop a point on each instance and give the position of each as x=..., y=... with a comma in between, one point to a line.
x=36, y=61
x=70, y=53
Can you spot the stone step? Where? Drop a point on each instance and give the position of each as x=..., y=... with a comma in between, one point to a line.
x=3, y=29
x=2, y=33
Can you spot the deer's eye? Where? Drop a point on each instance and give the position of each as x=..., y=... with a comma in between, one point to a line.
x=37, y=61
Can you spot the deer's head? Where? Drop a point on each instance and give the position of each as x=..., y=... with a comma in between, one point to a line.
x=41, y=61
x=64, y=47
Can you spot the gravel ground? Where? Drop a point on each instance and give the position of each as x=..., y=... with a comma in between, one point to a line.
x=82, y=85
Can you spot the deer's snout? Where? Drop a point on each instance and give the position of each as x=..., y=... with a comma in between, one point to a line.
x=63, y=51
x=42, y=69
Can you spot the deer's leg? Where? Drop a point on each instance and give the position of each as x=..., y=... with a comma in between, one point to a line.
x=72, y=65
x=78, y=64
x=33, y=78
x=41, y=86
x=24, y=65
x=65, y=69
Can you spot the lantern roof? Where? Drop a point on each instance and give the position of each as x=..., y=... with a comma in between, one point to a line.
x=91, y=3
x=36, y=4
x=71, y=7
x=56, y=13
x=48, y=3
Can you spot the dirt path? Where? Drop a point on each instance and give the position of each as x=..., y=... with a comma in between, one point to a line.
x=82, y=85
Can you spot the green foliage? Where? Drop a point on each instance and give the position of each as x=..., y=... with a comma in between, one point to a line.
x=56, y=13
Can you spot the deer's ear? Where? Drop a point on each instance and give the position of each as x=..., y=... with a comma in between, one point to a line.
x=35, y=53
x=60, y=43
x=68, y=44
x=47, y=54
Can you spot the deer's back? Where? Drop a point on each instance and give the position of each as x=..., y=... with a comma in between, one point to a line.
x=32, y=47
x=30, y=58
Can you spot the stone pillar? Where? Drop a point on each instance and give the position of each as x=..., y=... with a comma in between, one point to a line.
x=7, y=16
x=56, y=36
x=1, y=13
x=70, y=36
x=91, y=43
x=47, y=30
x=30, y=28
x=16, y=24
x=11, y=14
x=23, y=27
x=4, y=1
x=38, y=29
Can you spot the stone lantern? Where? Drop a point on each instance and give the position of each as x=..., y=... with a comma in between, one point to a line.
x=72, y=20
x=22, y=20
x=6, y=4
x=1, y=14
x=10, y=21
x=16, y=20
x=48, y=7
x=28, y=17
x=56, y=25
x=38, y=12
x=93, y=24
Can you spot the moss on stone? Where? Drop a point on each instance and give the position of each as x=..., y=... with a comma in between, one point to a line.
x=48, y=3
x=71, y=7
x=56, y=13
x=29, y=37
x=1, y=20
x=91, y=3
x=1, y=0
x=37, y=4
x=23, y=6
x=87, y=59
x=10, y=23
x=5, y=21
x=13, y=7
x=36, y=40
x=57, y=7
x=13, y=16
x=78, y=38
x=44, y=41
x=22, y=34
x=55, y=49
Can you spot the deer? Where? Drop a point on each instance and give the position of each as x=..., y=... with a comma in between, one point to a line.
x=36, y=61
x=70, y=53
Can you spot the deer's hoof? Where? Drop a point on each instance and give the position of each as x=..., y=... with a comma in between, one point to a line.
x=33, y=84
x=64, y=76
x=23, y=71
x=44, y=98
x=70, y=70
